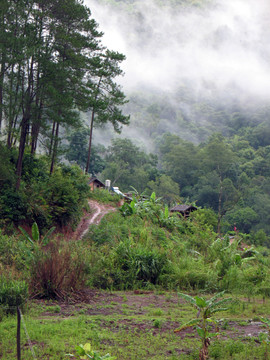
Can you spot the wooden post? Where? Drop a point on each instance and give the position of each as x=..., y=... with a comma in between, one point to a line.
x=18, y=334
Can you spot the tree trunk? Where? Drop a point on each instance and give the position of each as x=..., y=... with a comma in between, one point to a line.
x=54, y=150
x=35, y=130
x=204, y=351
x=27, y=96
x=24, y=130
x=219, y=206
x=52, y=139
x=13, y=106
x=2, y=74
x=90, y=142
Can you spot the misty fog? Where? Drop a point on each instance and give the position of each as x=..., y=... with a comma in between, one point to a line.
x=222, y=49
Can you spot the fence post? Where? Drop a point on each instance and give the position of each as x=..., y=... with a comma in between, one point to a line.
x=18, y=334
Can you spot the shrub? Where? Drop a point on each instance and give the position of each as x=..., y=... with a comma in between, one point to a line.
x=56, y=272
x=13, y=205
x=143, y=265
x=66, y=194
x=112, y=228
x=14, y=253
x=104, y=196
x=13, y=293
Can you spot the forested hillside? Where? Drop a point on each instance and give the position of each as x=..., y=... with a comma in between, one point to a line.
x=203, y=116
x=199, y=127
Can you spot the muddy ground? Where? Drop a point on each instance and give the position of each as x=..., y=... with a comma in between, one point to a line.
x=94, y=216
x=91, y=302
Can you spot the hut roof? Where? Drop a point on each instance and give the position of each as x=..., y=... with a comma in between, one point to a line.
x=183, y=208
x=94, y=179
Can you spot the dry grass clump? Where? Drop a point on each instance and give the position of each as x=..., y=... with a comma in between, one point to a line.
x=57, y=272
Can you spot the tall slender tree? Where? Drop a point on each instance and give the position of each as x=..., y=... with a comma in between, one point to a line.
x=107, y=96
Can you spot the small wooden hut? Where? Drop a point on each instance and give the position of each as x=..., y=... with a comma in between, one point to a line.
x=94, y=183
x=184, y=210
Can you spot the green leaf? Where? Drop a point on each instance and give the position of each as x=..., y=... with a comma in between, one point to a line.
x=218, y=310
x=35, y=232
x=218, y=303
x=46, y=237
x=166, y=212
x=27, y=237
x=188, y=298
x=200, y=302
x=210, y=335
x=87, y=347
x=190, y=323
x=80, y=350
x=201, y=332
x=153, y=196
x=214, y=298
x=238, y=259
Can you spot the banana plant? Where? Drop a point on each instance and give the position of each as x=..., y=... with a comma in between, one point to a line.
x=36, y=239
x=206, y=309
x=85, y=352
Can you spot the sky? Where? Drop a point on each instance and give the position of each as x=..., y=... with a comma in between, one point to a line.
x=227, y=43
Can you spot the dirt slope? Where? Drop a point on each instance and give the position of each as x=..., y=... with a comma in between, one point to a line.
x=97, y=211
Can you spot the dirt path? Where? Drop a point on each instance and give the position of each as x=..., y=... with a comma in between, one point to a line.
x=97, y=211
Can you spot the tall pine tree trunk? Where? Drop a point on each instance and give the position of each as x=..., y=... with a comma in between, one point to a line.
x=52, y=138
x=54, y=149
x=2, y=74
x=35, y=130
x=25, y=123
x=23, y=137
x=90, y=142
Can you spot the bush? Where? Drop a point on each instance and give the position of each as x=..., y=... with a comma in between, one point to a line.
x=47, y=200
x=66, y=194
x=57, y=272
x=14, y=253
x=13, y=293
x=13, y=205
x=112, y=228
x=104, y=196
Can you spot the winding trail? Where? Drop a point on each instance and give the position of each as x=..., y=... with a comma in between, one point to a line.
x=97, y=211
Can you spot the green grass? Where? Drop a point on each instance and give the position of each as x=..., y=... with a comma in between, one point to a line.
x=126, y=334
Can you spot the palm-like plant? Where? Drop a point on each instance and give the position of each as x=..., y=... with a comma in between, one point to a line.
x=206, y=309
x=36, y=239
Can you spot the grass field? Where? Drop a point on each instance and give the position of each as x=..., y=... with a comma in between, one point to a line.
x=134, y=325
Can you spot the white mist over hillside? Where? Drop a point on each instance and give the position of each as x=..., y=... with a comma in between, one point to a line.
x=227, y=43
x=219, y=52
